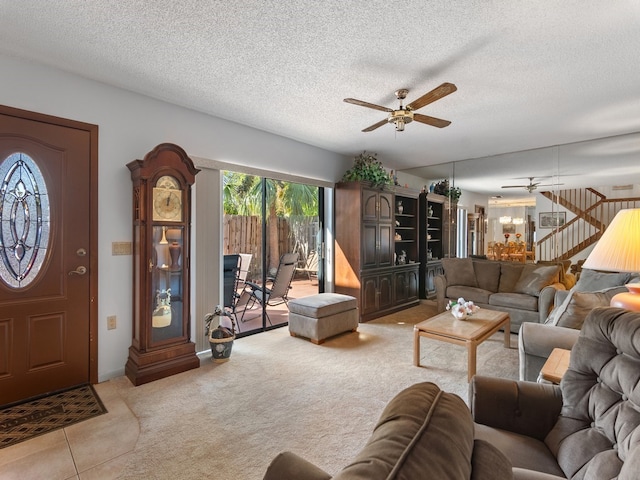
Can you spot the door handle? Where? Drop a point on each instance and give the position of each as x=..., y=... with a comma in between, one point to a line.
x=81, y=270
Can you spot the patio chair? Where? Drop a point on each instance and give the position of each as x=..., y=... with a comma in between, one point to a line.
x=231, y=269
x=244, y=266
x=276, y=291
x=310, y=267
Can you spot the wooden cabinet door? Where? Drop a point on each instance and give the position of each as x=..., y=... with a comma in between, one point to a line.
x=369, y=245
x=369, y=205
x=385, y=291
x=386, y=207
x=369, y=295
x=385, y=245
x=406, y=286
x=412, y=285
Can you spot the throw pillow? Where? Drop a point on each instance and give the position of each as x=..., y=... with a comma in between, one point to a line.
x=509, y=275
x=459, y=271
x=487, y=275
x=535, y=278
x=593, y=281
x=575, y=308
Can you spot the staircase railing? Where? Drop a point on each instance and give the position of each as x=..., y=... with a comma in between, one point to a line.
x=593, y=210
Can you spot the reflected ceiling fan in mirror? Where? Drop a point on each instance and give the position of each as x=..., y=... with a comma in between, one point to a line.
x=404, y=115
x=532, y=185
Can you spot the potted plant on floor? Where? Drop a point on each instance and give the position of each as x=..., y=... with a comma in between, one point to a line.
x=220, y=338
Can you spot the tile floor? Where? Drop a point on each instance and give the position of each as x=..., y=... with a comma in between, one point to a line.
x=97, y=448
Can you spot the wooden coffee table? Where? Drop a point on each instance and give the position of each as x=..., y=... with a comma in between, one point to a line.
x=470, y=332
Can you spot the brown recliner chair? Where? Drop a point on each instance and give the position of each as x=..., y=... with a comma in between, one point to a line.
x=588, y=428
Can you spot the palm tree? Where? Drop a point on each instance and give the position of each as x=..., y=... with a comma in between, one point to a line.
x=243, y=196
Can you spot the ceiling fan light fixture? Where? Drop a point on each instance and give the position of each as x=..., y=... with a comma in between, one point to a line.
x=400, y=118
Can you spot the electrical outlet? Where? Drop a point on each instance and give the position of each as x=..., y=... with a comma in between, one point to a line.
x=111, y=322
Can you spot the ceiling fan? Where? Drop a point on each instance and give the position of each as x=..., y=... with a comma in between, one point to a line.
x=404, y=115
x=532, y=186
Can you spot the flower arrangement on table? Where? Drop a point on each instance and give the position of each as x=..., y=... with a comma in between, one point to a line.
x=461, y=308
x=518, y=235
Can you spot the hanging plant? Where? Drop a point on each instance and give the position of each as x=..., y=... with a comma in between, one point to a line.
x=367, y=167
x=443, y=188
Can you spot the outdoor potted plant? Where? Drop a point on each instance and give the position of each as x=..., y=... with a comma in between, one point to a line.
x=220, y=338
x=367, y=167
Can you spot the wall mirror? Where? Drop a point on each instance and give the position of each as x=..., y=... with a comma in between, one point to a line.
x=531, y=208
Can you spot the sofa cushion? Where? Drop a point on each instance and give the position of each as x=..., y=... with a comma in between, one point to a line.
x=520, y=301
x=487, y=275
x=475, y=295
x=322, y=304
x=534, y=278
x=459, y=271
x=489, y=462
x=521, y=450
x=592, y=281
x=422, y=431
x=509, y=275
x=577, y=305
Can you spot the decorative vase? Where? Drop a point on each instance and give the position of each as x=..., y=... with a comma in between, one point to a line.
x=175, y=250
x=400, y=207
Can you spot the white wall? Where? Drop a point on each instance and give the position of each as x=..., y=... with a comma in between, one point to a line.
x=130, y=125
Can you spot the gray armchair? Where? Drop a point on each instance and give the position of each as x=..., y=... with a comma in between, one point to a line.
x=587, y=428
x=562, y=327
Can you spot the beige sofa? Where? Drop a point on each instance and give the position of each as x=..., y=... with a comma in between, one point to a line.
x=525, y=291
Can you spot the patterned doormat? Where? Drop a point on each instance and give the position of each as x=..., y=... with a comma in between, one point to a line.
x=43, y=415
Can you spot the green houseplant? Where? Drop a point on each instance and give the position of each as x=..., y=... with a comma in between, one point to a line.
x=367, y=167
x=443, y=188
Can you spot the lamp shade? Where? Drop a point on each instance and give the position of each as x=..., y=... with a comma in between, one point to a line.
x=619, y=248
x=619, y=251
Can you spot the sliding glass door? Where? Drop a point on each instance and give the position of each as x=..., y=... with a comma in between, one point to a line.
x=276, y=228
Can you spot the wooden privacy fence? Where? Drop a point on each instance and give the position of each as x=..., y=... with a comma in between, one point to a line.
x=243, y=234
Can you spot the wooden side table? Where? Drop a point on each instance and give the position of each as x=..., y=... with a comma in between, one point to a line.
x=556, y=365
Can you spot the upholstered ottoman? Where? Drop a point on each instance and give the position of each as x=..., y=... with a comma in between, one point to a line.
x=318, y=317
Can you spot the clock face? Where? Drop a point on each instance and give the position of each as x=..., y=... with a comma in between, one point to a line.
x=167, y=200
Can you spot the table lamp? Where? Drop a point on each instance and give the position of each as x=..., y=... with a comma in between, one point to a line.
x=619, y=251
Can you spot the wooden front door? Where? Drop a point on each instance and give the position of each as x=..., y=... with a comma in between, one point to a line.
x=48, y=270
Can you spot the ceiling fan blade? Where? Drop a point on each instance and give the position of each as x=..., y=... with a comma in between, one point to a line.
x=430, y=97
x=375, y=125
x=515, y=186
x=367, y=104
x=433, y=121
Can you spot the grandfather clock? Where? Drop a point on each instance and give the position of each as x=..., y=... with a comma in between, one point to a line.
x=161, y=343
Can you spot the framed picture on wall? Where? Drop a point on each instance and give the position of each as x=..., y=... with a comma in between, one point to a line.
x=552, y=219
x=509, y=228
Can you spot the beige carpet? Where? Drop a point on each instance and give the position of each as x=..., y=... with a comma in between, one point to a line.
x=283, y=393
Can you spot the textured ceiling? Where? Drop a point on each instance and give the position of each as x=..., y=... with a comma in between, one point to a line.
x=529, y=74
